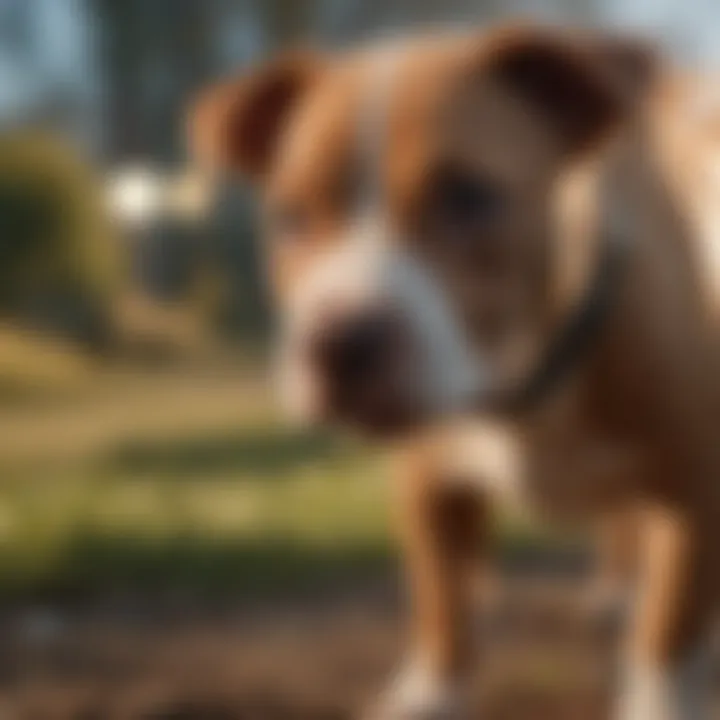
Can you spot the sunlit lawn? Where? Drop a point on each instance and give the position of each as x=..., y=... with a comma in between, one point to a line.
x=180, y=481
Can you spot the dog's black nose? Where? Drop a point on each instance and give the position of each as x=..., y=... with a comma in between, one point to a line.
x=350, y=350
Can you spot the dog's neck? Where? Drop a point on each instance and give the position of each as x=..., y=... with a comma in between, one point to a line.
x=591, y=237
x=625, y=198
x=582, y=326
x=591, y=233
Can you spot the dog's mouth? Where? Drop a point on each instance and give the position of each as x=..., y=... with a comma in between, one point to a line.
x=377, y=407
x=362, y=374
x=382, y=401
x=377, y=410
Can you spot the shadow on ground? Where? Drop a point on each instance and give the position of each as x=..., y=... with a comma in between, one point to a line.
x=95, y=565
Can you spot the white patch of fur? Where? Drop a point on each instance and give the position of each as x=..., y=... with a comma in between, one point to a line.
x=704, y=197
x=298, y=388
x=368, y=269
x=678, y=693
x=418, y=692
x=485, y=454
x=364, y=272
x=710, y=227
x=450, y=372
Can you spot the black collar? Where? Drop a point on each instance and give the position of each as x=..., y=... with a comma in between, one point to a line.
x=575, y=339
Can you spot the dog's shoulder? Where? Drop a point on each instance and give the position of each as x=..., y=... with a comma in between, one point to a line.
x=687, y=120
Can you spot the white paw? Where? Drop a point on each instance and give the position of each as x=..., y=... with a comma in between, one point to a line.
x=678, y=693
x=418, y=694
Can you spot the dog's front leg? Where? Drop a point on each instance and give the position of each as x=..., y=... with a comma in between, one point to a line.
x=443, y=528
x=666, y=666
x=609, y=593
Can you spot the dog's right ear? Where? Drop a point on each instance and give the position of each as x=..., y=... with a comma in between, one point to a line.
x=235, y=126
x=581, y=85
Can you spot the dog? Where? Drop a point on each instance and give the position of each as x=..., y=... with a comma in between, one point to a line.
x=499, y=254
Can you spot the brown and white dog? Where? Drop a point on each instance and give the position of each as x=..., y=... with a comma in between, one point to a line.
x=501, y=254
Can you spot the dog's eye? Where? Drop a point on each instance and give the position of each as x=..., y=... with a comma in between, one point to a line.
x=464, y=201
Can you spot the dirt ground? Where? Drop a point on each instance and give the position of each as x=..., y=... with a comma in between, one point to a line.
x=310, y=658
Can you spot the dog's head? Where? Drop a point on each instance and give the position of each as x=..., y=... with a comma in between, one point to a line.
x=407, y=201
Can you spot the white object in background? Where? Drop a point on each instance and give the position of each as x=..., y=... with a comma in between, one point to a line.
x=136, y=195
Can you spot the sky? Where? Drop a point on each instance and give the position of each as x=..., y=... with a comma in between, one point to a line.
x=48, y=47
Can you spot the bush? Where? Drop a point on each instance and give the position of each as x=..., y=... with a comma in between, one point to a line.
x=59, y=263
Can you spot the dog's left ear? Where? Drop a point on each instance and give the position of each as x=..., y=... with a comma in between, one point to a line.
x=235, y=126
x=581, y=86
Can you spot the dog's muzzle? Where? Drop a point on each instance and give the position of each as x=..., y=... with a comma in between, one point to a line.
x=363, y=363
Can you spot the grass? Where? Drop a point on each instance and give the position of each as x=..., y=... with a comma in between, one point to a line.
x=183, y=481
x=117, y=526
x=178, y=482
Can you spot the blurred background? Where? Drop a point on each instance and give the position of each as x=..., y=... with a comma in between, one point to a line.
x=167, y=548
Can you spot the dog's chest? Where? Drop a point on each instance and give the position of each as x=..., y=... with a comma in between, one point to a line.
x=575, y=471
x=563, y=470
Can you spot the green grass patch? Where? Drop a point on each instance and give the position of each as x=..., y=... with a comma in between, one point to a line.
x=243, y=510
x=205, y=505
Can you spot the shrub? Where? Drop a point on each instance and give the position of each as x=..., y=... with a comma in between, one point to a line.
x=60, y=265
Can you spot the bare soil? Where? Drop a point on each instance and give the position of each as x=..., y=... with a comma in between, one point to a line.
x=308, y=658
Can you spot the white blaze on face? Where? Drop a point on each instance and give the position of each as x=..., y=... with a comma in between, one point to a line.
x=364, y=274
x=449, y=372
x=369, y=268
